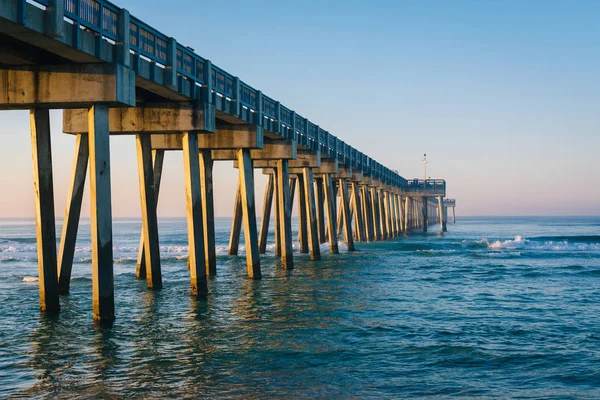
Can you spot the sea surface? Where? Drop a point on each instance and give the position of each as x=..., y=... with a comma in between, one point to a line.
x=494, y=308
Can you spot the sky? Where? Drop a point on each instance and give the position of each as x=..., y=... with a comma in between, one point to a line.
x=503, y=96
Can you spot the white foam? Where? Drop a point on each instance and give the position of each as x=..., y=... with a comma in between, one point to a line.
x=520, y=243
x=30, y=279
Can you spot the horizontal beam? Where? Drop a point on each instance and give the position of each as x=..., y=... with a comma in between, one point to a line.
x=328, y=166
x=226, y=137
x=151, y=118
x=66, y=86
x=272, y=150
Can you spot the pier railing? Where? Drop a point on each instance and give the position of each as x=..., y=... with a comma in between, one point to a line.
x=108, y=32
x=429, y=187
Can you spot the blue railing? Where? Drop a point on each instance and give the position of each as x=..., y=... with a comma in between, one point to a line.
x=162, y=52
x=429, y=186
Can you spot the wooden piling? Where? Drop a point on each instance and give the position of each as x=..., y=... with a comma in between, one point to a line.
x=198, y=281
x=249, y=213
x=302, y=217
x=425, y=214
x=320, y=201
x=400, y=211
x=339, y=216
x=386, y=211
x=66, y=251
x=407, y=223
x=103, y=297
x=311, y=213
x=375, y=213
x=148, y=206
x=382, y=214
x=236, y=223
x=330, y=211
x=441, y=214
x=277, y=215
x=266, y=215
x=358, y=214
x=367, y=211
x=208, y=210
x=44, y=210
x=285, y=213
x=345, y=211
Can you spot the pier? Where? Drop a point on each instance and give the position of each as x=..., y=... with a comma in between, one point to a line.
x=113, y=74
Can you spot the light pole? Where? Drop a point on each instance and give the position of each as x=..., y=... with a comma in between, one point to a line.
x=425, y=165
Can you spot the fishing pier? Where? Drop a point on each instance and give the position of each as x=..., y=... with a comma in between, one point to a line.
x=113, y=74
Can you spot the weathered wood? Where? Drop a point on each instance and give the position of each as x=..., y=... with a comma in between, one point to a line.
x=375, y=213
x=68, y=239
x=340, y=220
x=191, y=166
x=302, y=223
x=312, y=231
x=236, y=223
x=285, y=214
x=266, y=215
x=149, y=217
x=407, y=205
x=44, y=210
x=401, y=219
x=292, y=192
x=103, y=296
x=358, y=214
x=386, y=214
x=277, y=215
x=394, y=214
x=367, y=212
x=320, y=201
x=158, y=157
x=330, y=211
x=425, y=212
x=353, y=214
x=249, y=213
x=164, y=121
x=208, y=211
x=345, y=211
x=441, y=214
x=66, y=86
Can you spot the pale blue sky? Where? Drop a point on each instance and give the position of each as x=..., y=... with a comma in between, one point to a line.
x=503, y=96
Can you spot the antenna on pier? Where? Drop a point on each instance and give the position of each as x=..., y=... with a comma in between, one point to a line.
x=425, y=165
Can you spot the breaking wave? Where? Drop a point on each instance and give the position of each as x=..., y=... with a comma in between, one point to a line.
x=545, y=243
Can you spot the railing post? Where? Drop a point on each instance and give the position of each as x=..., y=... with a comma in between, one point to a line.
x=207, y=88
x=54, y=16
x=237, y=97
x=293, y=125
x=171, y=67
x=277, y=127
x=123, y=31
x=99, y=40
x=259, y=108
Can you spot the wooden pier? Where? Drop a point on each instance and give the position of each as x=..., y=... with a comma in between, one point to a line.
x=113, y=74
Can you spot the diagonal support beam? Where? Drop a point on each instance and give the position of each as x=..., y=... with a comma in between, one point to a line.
x=149, y=217
x=68, y=239
x=158, y=157
x=249, y=213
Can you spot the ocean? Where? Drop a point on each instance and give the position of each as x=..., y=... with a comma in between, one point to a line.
x=494, y=308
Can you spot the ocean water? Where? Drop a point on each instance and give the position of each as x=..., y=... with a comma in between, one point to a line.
x=495, y=308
